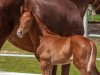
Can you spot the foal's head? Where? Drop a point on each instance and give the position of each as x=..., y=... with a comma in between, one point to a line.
x=26, y=22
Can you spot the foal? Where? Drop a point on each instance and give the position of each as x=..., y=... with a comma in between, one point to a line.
x=53, y=49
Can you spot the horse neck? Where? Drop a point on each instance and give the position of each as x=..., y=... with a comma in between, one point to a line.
x=43, y=28
x=35, y=37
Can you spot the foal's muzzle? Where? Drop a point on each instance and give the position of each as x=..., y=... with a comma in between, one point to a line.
x=20, y=33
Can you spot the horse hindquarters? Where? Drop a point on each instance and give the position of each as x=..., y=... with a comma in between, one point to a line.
x=84, y=57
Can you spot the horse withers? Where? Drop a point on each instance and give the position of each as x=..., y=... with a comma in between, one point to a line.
x=53, y=49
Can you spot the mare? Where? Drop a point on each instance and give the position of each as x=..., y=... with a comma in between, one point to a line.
x=9, y=14
x=53, y=49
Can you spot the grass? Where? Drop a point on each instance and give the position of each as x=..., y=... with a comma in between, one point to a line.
x=28, y=65
x=98, y=51
x=95, y=18
x=15, y=64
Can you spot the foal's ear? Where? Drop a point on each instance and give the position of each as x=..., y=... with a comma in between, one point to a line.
x=21, y=9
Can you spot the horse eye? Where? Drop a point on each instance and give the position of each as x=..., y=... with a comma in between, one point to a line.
x=29, y=21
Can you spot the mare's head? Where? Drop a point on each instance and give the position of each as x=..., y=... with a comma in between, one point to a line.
x=26, y=22
x=95, y=4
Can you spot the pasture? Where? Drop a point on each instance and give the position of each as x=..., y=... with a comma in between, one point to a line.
x=94, y=18
x=28, y=65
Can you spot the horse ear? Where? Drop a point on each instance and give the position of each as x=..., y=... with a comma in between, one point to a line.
x=21, y=9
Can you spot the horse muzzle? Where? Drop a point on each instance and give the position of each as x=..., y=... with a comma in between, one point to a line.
x=20, y=33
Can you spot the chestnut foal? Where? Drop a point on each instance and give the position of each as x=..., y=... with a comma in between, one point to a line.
x=53, y=49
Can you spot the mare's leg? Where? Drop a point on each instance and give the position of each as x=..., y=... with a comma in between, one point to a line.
x=4, y=32
x=54, y=70
x=65, y=69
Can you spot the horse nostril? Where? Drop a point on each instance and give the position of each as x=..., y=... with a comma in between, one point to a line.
x=20, y=32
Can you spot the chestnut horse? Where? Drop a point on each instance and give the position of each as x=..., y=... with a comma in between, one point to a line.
x=53, y=49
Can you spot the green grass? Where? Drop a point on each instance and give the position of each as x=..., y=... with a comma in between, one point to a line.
x=15, y=64
x=98, y=51
x=29, y=65
x=95, y=18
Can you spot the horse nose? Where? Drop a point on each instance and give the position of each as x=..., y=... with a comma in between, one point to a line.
x=20, y=33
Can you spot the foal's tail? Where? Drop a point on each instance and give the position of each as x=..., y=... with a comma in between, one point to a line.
x=92, y=57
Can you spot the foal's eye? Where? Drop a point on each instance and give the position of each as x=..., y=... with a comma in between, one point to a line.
x=29, y=21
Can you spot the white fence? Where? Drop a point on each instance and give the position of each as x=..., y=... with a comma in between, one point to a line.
x=85, y=23
x=13, y=73
x=21, y=55
x=16, y=55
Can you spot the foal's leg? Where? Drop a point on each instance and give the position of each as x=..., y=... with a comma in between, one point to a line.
x=80, y=60
x=46, y=68
x=84, y=72
x=65, y=69
x=81, y=66
x=94, y=71
x=54, y=70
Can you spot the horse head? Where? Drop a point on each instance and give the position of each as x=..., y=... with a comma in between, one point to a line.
x=26, y=21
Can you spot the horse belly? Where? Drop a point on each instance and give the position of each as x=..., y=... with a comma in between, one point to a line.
x=61, y=61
